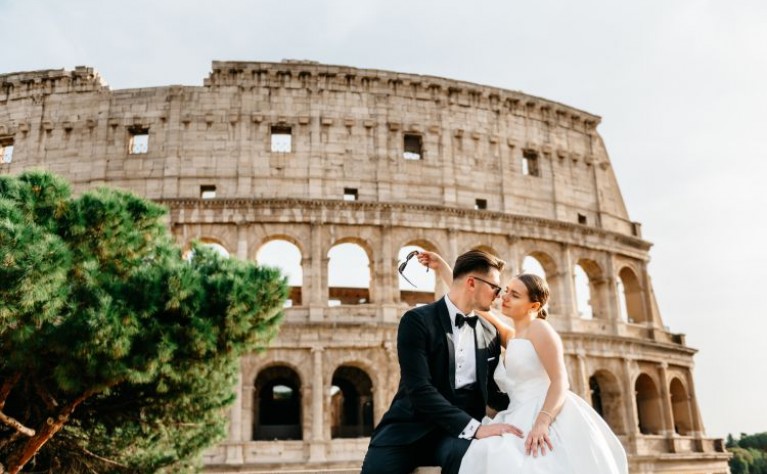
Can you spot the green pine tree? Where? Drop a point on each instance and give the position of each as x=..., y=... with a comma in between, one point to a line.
x=116, y=355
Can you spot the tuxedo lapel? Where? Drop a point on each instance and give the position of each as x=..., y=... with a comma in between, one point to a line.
x=481, y=355
x=447, y=329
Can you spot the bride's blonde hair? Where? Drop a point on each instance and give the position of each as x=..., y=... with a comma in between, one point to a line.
x=537, y=291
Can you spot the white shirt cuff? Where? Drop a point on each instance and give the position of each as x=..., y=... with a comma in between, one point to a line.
x=470, y=430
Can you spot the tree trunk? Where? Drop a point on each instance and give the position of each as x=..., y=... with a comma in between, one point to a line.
x=21, y=457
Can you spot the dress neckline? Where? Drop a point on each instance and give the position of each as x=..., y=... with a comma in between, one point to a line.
x=518, y=339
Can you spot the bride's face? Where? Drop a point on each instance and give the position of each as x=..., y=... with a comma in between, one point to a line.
x=515, y=302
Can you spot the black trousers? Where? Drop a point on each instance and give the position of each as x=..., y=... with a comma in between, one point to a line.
x=435, y=449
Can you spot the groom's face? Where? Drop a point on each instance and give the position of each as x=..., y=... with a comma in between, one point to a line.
x=485, y=289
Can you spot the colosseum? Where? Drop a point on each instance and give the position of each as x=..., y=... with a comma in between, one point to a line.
x=330, y=172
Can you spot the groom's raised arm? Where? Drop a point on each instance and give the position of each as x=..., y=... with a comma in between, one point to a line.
x=412, y=337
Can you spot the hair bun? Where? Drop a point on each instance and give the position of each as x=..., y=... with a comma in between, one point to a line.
x=543, y=314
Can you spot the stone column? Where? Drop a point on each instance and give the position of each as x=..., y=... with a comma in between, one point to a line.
x=666, y=408
x=613, y=302
x=317, y=443
x=234, y=444
x=568, y=305
x=697, y=422
x=242, y=242
x=317, y=275
x=583, y=377
x=386, y=282
x=632, y=428
x=647, y=298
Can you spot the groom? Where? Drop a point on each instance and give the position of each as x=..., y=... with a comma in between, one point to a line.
x=447, y=356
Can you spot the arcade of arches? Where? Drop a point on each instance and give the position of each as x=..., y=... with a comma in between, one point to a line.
x=324, y=387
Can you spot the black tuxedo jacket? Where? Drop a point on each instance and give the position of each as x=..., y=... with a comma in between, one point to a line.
x=426, y=395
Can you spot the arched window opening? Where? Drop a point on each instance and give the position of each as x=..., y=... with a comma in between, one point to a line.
x=532, y=265
x=351, y=403
x=681, y=408
x=277, y=405
x=632, y=296
x=286, y=256
x=348, y=275
x=211, y=244
x=418, y=286
x=648, y=404
x=582, y=293
x=541, y=264
x=607, y=400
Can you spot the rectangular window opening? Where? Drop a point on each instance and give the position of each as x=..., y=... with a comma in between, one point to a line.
x=282, y=139
x=207, y=191
x=139, y=141
x=530, y=163
x=6, y=150
x=413, y=147
x=582, y=219
x=350, y=194
x=480, y=204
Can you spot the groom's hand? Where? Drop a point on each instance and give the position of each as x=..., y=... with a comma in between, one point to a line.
x=497, y=429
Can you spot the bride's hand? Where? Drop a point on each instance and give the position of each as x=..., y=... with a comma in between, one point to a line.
x=538, y=439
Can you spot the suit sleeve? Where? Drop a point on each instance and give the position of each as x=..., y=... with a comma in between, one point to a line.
x=413, y=356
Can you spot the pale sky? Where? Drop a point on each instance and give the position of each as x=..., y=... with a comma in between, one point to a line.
x=680, y=86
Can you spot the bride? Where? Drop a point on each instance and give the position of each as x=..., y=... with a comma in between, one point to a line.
x=564, y=434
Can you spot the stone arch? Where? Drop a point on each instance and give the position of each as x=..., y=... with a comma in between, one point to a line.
x=351, y=402
x=210, y=242
x=544, y=265
x=284, y=253
x=648, y=403
x=681, y=407
x=277, y=404
x=349, y=272
x=424, y=284
x=631, y=296
x=591, y=298
x=607, y=399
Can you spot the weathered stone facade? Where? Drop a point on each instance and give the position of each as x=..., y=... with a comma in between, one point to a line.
x=320, y=155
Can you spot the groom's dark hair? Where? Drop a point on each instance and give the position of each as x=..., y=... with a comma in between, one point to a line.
x=477, y=261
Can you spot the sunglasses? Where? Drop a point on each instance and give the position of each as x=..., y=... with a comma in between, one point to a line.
x=402, y=266
x=496, y=289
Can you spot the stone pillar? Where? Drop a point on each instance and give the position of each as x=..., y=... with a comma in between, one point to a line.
x=568, y=305
x=242, y=242
x=632, y=428
x=647, y=298
x=583, y=377
x=666, y=408
x=317, y=443
x=697, y=422
x=317, y=275
x=386, y=281
x=234, y=446
x=613, y=302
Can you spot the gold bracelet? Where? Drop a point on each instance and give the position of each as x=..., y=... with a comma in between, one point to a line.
x=551, y=418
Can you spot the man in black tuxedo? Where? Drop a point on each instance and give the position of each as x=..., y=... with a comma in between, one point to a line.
x=447, y=356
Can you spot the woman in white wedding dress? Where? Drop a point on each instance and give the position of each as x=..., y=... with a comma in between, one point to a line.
x=563, y=433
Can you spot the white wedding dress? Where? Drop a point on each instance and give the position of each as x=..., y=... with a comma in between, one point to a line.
x=582, y=441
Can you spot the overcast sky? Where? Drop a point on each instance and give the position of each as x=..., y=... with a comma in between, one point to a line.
x=680, y=86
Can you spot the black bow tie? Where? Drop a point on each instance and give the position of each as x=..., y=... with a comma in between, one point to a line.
x=470, y=320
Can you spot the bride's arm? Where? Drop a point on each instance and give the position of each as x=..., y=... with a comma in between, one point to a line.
x=504, y=330
x=548, y=346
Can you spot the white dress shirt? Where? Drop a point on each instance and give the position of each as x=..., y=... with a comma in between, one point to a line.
x=465, y=359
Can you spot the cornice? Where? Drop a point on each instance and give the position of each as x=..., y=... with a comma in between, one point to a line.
x=219, y=204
